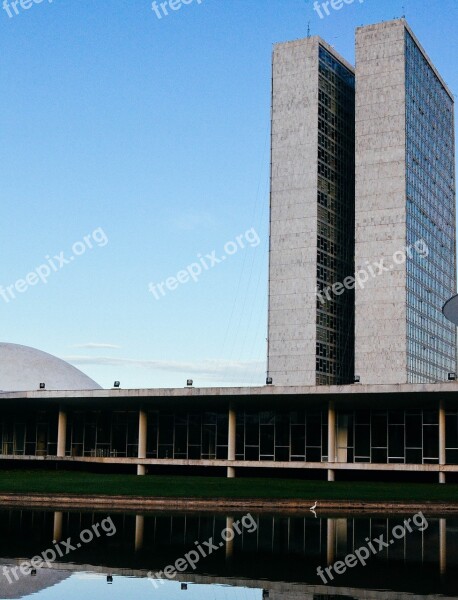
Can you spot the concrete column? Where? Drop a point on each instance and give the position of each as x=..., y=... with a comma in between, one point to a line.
x=139, y=532
x=142, y=438
x=342, y=439
x=442, y=442
x=58, y=521
x=61, y=433
x=443, y=546
x=231, y=440
x=331, y=438
x=331, y=541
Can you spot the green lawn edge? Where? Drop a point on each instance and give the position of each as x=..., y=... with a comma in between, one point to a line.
x=157, y=486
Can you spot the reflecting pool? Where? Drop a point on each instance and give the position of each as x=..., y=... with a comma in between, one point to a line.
x=243, y=556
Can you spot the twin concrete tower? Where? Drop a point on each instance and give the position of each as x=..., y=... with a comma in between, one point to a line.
x=362, y=231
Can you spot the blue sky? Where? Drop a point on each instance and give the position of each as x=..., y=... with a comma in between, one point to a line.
x=155, y=133
x=123, y=588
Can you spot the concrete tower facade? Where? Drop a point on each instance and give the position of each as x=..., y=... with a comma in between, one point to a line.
x=405, y=210
x=312, y=215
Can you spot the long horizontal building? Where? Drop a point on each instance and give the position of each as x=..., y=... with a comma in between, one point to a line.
x=323, y=431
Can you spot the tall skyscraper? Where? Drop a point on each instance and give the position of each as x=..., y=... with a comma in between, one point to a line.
x=405, y=193
x=311, y=332
x=396, y=234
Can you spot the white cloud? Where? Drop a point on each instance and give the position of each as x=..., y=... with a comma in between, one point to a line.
x=96, y=346
x=212, y=370
x=191, y=220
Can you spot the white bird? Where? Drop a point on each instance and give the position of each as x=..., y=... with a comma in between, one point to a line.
x=314, y=506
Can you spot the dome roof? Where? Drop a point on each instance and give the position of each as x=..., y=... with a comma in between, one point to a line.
x=450, y=310
x=22, y=369
x=27, y=586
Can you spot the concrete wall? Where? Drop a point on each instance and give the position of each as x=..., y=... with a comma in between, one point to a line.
x=293, y=225
x=380, y=308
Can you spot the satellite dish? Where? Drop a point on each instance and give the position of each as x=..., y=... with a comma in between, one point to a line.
x=450, y=310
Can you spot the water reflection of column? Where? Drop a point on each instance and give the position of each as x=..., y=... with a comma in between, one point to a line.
x=331, y=541
x=341, y=526
x=58, y=521
x=443, y=545
x=139, y=531
x=229, y=543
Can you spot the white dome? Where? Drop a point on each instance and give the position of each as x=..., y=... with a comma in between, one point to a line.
x=29, y=586
x=22, y=369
